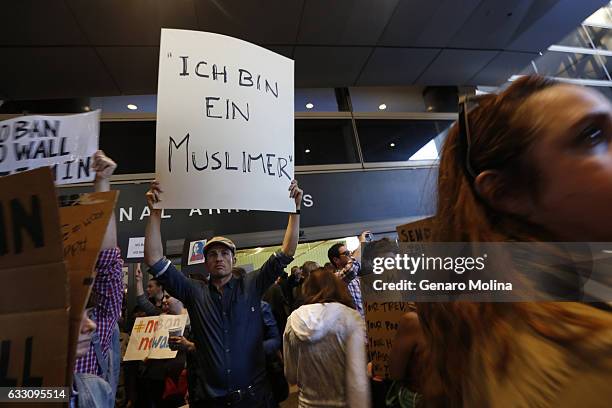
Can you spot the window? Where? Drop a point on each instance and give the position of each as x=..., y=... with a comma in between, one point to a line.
x=389, y=140
x=570, y=65
x=600, y=17
x=577, y=38
x=324, y=141
x=602, y=37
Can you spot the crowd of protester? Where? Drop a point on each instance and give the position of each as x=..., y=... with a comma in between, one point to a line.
x=503, y=177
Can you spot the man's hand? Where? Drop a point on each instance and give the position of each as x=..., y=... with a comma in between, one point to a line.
x=296, y=193
x=292, y=234
x=180, y=343
x=138, y=273
x=364, y=236
x=154, y=250
x=153, y=194
x=138, y=280
x=103, y=165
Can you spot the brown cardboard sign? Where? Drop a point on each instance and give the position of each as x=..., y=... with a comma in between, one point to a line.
x=34, y=315
x=34, y=352
x=84, y=220
x=83, y=225
x=29, y=226
x=34, y=288
x=383, y=317
x=382, y=321
x=418, y=231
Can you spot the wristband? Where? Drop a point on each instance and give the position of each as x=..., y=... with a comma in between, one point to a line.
x=297, y=212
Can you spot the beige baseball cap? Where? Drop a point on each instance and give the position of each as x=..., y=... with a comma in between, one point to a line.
x=222, y=241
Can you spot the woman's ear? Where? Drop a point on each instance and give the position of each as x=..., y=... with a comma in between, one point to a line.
x=493, y=187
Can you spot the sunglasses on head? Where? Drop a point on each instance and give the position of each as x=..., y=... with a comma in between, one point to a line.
x=467, y=103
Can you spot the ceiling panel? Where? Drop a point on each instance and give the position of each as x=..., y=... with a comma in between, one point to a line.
x=31, y=22
x=429, y=24
x=344, y=22
x=396, y=66
x=561, y=18
x=53, y=72
x=328, y=66
x=256, y=21
x=502, y=67
x=456, y=67
x=110, y=46
x=134, y=22
x=492, y=25
x=286, y=51
x=134, y=69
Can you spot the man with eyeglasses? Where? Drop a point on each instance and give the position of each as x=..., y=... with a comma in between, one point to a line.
x=226, y=313
x=348, y=267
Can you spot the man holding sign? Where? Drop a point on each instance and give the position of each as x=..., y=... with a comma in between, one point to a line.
x=226, y=314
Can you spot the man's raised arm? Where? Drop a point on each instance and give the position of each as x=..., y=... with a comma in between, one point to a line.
x=173, y=281
x=153, y=250
x=275, y=266
x=292, y=234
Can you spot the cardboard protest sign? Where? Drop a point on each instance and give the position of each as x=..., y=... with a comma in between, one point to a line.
x=224, y=124
x=382, y=321
x=149, y=338
x=417, y=231
x=34, y=304
x=383, y=310
x=34, y=348
x=84, y=219
x=66, y=143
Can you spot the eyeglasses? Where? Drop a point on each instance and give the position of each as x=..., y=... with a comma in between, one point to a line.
x=347, y=253
x=464, y=130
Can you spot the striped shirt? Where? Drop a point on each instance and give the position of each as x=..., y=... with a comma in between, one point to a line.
x=351, y=278
x=108, y=285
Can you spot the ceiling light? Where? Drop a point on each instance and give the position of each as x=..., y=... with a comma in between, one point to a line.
x=392, y=145
x=86, y=108
x=382, y=106
x=309, y=105
x=131, y=106
x=307, y=151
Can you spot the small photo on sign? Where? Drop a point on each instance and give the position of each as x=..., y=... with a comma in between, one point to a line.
x=196, y=252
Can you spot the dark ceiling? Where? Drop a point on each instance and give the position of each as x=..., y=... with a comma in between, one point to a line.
x=77, y=48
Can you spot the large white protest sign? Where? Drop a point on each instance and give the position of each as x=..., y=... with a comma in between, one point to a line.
x=66, y=143
x=224, y=124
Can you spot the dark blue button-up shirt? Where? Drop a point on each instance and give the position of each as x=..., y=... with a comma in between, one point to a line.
x=227, y=327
